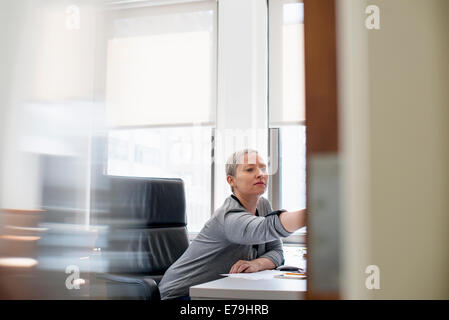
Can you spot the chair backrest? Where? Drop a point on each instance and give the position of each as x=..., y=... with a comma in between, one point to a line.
x=147, y=224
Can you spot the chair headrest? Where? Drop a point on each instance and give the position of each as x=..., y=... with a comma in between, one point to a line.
x=153, y=202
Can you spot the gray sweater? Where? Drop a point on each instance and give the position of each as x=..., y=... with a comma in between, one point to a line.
x=231, y=234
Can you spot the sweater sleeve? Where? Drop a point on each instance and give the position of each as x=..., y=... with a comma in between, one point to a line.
x=244, y=228
x=274, y=252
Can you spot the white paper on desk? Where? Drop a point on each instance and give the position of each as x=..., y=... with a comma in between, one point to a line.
x=261, y=275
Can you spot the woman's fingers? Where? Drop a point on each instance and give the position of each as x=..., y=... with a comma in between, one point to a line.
x=236, y=266
x=242, y=268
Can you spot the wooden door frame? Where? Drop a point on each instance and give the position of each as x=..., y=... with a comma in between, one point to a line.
x=321, y=101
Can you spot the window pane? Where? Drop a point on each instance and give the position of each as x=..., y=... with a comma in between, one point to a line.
x=293, y=167
x=155, y=52
x=168, y=153
x=287, y=99
x=286, y=65
x=293, y=62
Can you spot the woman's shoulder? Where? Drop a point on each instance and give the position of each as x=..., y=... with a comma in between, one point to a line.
x=264, y=206
x=230, y=204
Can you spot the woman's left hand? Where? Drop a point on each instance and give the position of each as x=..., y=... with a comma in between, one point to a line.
x=244, y=266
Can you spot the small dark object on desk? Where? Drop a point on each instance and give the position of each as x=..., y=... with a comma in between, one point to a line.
x=289, y=268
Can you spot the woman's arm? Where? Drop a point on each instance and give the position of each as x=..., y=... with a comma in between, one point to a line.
x=244, y=228
x=293, y=220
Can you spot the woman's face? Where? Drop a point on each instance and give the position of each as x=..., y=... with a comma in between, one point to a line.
x=250, y=177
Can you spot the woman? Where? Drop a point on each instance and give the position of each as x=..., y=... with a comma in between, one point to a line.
x=243, y=235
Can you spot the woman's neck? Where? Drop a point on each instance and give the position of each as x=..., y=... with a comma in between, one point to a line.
x=249, y=202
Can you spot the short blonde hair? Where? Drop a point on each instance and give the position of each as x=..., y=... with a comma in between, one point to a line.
x=234, y=160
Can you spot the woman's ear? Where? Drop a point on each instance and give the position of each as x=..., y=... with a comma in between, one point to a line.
x=230, y=180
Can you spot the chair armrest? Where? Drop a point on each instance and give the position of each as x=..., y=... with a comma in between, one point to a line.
x=130, y=287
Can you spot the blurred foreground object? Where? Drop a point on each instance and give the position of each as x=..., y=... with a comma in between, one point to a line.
x=18, y=242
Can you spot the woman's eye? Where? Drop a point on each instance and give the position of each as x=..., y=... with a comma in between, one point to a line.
x=262, y=169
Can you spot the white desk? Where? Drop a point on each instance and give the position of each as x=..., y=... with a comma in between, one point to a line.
x=235, y=288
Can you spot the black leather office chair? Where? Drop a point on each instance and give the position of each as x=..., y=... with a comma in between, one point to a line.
x=146, y=233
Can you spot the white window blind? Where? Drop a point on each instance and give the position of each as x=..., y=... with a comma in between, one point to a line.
x=161, y=63
x=286, y=54
x=287, y=102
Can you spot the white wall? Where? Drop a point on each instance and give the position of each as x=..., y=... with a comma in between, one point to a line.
x=394, y=107
x=355, y=147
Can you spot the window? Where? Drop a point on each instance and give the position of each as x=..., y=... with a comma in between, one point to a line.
x=160, y=93
x=286, y=62
x=155, y=51
x=287, y=102
x=293, y=167
x=182, y=152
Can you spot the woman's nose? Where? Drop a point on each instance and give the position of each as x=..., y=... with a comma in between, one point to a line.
x=260, y=172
